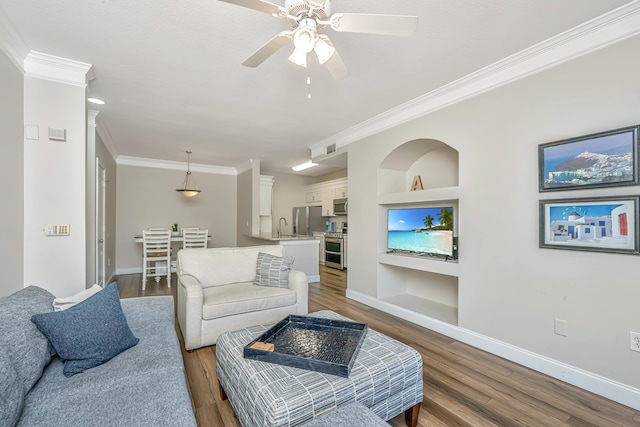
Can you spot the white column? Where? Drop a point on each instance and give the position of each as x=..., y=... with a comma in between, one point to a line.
x=55, y=173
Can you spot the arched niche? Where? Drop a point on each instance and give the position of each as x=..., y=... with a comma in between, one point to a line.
x=434, y=161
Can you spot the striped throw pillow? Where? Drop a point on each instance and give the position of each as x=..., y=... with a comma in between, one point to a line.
x=273, y=270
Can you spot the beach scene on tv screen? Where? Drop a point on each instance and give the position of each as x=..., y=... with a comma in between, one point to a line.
x=422, y=230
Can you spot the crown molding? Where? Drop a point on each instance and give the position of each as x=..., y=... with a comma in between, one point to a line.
x=168, y=164
x=245, y=166
x=57, y=69
x=11, y=43
x=91, y=117
x=607, y=29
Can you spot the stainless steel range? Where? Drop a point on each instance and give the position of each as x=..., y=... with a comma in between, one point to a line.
x=334, y=250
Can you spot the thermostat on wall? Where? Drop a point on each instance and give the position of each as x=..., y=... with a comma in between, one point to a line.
x=56, y=230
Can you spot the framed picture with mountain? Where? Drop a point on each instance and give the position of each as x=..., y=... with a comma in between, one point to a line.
x=598, y=160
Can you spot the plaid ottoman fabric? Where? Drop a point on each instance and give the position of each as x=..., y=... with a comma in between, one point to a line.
x=386, y=377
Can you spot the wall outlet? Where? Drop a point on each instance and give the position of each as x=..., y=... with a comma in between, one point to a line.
x=560, y=327
x=634, y=342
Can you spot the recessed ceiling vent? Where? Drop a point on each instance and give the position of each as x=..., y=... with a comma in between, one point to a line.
x=330, y=149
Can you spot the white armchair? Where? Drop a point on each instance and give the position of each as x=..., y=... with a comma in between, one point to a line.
x=216, y=293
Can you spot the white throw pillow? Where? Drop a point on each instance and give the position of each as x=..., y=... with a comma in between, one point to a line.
x=60, y=304
x=273, y=270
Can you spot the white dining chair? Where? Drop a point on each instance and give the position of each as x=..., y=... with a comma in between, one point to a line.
x=156, y=255
x=194, y=239
x=182, y=230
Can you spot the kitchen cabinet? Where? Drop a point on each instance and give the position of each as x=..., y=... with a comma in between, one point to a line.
x=266, y=194
x=324, y=193
x=327, y=202
x=341, y=193
x=314, y=197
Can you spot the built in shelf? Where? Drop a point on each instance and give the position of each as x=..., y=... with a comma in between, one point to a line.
x=419, y=288
x=424, y=307
x=430, y=195
x=421, y=263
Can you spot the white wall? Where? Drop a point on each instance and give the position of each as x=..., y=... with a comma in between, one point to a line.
x=510, y=290
x=146, y=197
x=54, y=180
x=12, y=174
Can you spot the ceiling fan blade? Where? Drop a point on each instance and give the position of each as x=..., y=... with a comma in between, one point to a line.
x=391, y=25
x=260, y=6
x=336, y=67
x=271, y=47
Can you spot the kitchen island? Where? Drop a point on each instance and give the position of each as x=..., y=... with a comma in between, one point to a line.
x=305, y=250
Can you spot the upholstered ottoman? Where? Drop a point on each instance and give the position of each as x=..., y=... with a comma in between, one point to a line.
x=352, y=415
x=386, y=378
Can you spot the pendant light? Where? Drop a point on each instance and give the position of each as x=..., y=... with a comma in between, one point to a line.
x=189, y=186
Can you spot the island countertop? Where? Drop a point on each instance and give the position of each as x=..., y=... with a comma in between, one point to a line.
x=284, y=238
x=304, y=249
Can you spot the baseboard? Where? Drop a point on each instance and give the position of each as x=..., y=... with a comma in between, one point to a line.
x=315, y=278
x=112, y=278
x=586, y=380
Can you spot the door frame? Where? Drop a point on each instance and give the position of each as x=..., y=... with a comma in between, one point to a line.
x=100, y=223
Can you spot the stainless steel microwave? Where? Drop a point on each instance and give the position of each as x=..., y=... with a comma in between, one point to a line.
x=340, y=206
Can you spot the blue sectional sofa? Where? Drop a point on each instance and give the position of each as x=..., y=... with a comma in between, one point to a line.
x=143, y=385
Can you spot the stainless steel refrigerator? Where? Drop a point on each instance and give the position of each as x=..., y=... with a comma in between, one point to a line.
x=307, y=219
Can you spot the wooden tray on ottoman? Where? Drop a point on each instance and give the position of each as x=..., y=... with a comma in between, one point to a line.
x=316, y=344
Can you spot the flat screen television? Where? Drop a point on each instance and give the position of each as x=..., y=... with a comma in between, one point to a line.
x=422, y=231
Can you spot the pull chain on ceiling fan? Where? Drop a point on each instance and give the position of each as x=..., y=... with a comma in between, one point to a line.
x=307, y=18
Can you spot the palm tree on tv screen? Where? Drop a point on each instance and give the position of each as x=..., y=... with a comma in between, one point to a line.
x=428, y=222
x=445, y=216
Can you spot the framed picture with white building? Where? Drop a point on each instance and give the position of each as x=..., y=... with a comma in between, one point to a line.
x=603, y=224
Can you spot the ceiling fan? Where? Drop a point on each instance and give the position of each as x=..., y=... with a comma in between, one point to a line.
x=308, y=17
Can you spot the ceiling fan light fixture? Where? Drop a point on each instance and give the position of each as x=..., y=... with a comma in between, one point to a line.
x=324, y=51
x=299, y=58
x=306, y=36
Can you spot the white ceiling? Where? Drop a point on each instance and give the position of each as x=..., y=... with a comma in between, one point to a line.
x=171, y=74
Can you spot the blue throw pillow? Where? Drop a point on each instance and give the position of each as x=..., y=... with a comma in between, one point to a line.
x=89, y=333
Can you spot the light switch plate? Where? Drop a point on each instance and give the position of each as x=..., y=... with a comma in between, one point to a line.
x=31, y=132
x=57, y=134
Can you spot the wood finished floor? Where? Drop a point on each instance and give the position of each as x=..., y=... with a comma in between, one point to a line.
x=463, y=386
